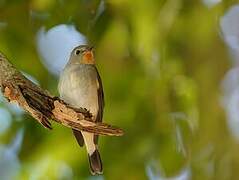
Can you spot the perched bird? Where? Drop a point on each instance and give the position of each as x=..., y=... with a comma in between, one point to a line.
x=80, y=86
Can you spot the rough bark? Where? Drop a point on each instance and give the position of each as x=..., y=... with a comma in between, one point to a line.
x=42, y=106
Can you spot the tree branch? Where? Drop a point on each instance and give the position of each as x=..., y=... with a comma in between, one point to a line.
x=44, y=107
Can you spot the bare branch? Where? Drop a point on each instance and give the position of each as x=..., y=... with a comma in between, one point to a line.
x=44, y=107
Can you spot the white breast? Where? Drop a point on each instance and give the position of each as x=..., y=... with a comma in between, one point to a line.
x=78, y=87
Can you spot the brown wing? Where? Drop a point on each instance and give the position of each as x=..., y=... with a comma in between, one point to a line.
x=101, y=103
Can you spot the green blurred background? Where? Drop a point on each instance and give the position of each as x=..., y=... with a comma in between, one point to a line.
x=161, y=62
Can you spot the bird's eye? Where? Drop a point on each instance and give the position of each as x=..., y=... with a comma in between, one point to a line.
x=78, y=52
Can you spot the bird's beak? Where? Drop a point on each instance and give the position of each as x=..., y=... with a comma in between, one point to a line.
x=89, y=50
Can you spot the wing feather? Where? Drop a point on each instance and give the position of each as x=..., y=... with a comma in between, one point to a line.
x=101, y=103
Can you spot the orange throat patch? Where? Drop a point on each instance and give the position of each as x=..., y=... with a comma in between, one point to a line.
x=88, y=58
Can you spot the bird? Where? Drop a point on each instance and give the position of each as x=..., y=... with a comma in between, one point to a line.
x=80, y=85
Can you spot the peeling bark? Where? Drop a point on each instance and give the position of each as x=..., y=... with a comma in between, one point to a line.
x=43, y=107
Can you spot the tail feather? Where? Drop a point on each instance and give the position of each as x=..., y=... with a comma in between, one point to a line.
x=95, y=163
x=78, y=137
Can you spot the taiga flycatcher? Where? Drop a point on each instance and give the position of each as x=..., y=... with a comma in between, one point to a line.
x=80, y=86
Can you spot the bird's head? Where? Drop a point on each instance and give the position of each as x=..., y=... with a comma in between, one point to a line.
x=83, y=54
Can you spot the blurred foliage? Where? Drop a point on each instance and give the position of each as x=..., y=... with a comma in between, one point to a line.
x=161, y=62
